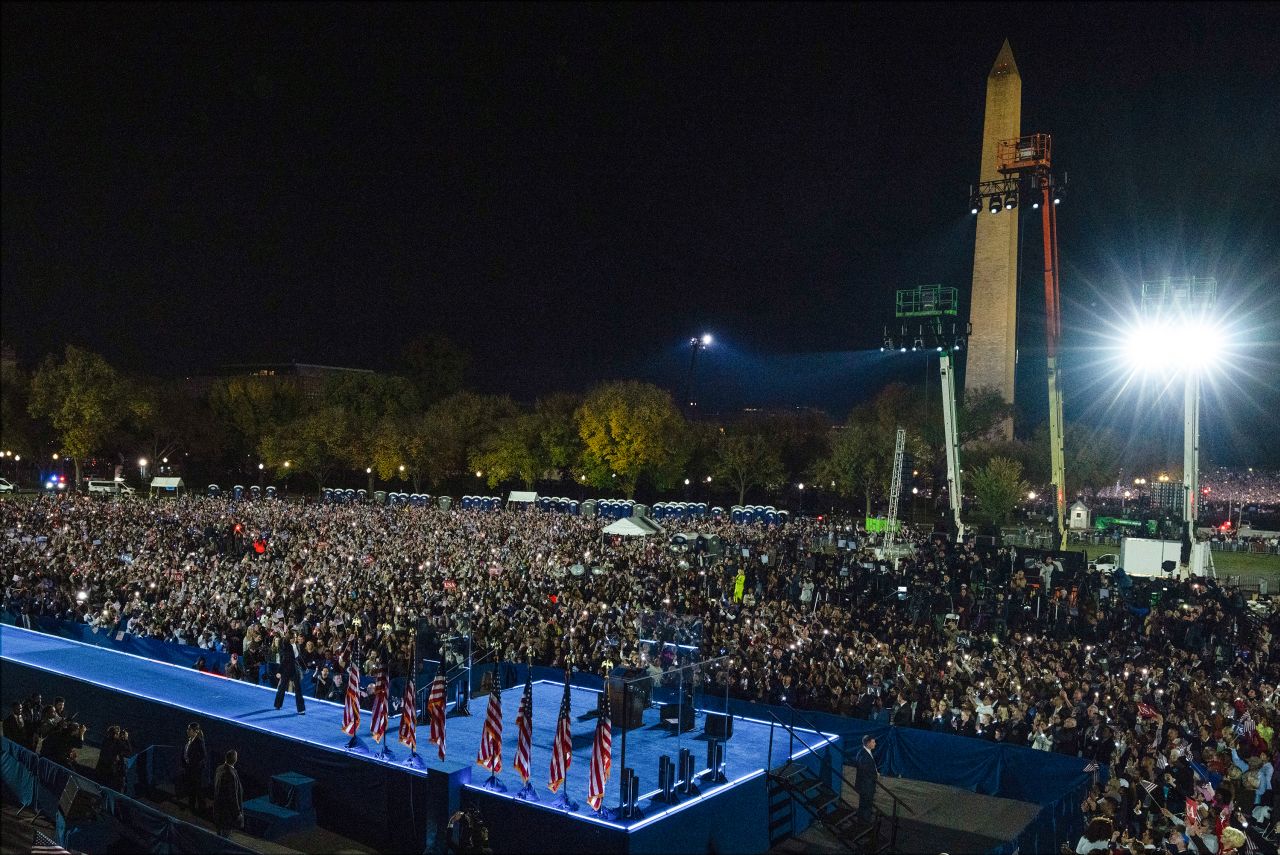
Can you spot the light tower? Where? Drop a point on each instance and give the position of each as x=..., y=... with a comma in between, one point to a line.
x=930, y=304
x=1025, y=167
x=696, y=343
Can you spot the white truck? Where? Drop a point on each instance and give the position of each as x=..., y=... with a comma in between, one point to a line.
x=1140, y=556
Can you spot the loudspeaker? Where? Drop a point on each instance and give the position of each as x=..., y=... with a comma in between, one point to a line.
x=718, y=726
x=79, y=800
x=669, y=713
x=1168, y=566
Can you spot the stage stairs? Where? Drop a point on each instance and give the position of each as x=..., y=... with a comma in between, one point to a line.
x=794, y=785
x=286, y=809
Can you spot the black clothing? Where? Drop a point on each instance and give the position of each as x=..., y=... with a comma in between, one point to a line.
x=866, y=783
x=192, y=764
x=228, y=799
x=290, y=672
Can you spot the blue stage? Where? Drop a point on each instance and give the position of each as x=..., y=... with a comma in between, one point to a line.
x=390, y=804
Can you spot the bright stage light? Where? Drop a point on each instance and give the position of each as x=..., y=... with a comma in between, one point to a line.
x=1184, y=345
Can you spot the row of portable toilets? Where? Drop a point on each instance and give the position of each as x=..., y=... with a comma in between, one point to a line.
x=610, y=509
x=560, y=505
x=684, y=511
x=238, y=492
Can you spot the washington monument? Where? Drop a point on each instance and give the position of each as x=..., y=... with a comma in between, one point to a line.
x=993, y=310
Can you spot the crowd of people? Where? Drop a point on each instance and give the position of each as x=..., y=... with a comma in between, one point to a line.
x=1170, y=688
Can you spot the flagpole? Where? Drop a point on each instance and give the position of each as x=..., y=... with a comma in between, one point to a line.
x=527, y=792
x=355, y=654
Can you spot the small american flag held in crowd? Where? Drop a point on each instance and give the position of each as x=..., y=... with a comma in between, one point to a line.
x=1092, y=767
x=524, y=731
x=435, y=713
x=1161, y=763
x=490, y=753
x=1146, y=711
x=378, y=724
x=42, y=845
x=601, y=756
x=409, y=717
x=351, y=705
x=1148, y=786
x=562, y=746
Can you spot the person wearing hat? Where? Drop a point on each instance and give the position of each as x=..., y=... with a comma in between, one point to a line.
x=866, y=781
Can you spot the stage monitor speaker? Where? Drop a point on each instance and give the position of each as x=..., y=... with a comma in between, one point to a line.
x=718, y=726
x=79, y=800
x=671, y=713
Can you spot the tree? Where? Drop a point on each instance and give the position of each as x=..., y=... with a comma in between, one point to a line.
x=84, y=399
x=441, y=441
x=747, y=461
x=371, y=405
x=859, y=462
x=559, y=445
x=999, y=487
x=253, y=408
x=802, y=438
x=435, y=366
x=17, y=431
x=313, y=443
x=511, y=452
x=632, y=430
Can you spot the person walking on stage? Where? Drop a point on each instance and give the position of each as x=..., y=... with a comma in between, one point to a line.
x=193, y=761
x=866, y=780
x=228, y=796
x=291, y=672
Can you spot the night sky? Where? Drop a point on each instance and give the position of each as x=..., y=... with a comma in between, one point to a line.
x=570, y=192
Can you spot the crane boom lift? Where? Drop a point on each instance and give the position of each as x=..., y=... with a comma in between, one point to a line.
x=1026, y=163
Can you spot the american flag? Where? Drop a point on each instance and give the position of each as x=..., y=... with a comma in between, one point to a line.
x=524, y=731
x=42, y=845
x=601, y=755
x=1148, y=786
x=351, y=706
x=490, y=753
x=562, y=746
x=435, y=713
x=1092, y=767
x=378, y=724
x=409, y=717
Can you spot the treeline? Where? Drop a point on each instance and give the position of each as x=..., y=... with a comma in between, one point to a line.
x=420, y=429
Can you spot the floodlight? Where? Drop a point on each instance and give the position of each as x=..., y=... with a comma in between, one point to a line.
x=1035, y=203
x=1011, y=201
x=975, y=204
x=706, y=339
x=994, y=207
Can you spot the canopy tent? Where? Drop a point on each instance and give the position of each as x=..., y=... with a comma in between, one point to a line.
x=167, y=485
x=633, y=527
x=522, y=497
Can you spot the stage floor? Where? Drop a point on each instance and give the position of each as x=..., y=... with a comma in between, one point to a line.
x=245, y=705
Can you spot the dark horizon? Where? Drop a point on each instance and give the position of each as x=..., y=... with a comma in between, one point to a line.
x=570, y=192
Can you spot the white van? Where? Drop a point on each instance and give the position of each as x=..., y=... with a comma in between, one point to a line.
x=110, y=487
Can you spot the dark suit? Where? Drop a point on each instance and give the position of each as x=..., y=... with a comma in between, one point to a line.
x=290, y=671
x=17, y=729
x=228, y=799
x=193, y=762
x=866, y=783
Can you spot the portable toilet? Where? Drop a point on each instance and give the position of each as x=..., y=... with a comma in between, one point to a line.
x=444, y=503
x=214, y=491
x=237, y=492
x=271, y=492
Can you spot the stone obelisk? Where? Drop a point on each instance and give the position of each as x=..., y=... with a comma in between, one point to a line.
x=993, y=310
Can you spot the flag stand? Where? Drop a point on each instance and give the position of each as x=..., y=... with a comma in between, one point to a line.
x=562, y=800
x=492, y=783
x=384, y=754
x=527, y=793
x=415, y=761
x=605, y=814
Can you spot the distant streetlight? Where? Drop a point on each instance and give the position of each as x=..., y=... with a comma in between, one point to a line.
x=800, y=487
x=164, y=460
x=1032, y=495
x=479, y=473
x=696, y=343
x=55, y=455
x=708, y=479
x=686, y=482
x=286, y=464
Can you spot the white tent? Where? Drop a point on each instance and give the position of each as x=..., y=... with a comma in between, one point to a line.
x=167, y=485
x=633, y=527
x=522, y=497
